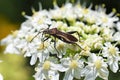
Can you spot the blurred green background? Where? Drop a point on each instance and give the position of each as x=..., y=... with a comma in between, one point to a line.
x=16, y=67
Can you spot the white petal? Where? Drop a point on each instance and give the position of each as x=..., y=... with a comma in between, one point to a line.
x=45, y=72
x=105, y=52
x=33, y=59
x=38, y=75
x=77, y=73
x=65, y=62
x=116, y=36
x=86, y=70
x=6, y=40
x=103, y=73
x=118, y=26
x=53, y=75
x=92, y=58
x=114, y=66
x=91, y=75
x=68, y=75
x=59, y=67
x=11, y=49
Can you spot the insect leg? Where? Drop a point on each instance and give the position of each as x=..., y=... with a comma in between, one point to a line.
x=45, y=39
x=72, y=32
x=56, y=48
x=80, y=46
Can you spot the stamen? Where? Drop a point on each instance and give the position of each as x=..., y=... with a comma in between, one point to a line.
x=46, y=65
x=98, y=64
x=73, y=64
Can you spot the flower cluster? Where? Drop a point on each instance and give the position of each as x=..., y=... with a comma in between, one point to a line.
x=96, y=50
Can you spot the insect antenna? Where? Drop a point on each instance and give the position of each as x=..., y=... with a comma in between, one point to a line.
x=35, y=36
x=38, y=34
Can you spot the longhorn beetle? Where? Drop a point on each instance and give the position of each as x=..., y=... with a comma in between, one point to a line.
x=65, y=37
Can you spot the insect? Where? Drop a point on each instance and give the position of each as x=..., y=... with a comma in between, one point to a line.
x=63, y=36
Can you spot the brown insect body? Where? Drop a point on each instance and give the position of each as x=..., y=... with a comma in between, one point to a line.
x=65, y=37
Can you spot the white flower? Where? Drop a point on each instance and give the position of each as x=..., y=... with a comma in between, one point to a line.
x=96, y=67
x=118, y=26
x=107, y=33
x=94, y=41
x=37, y=50
x=11, y=48
x=57, y=13
x=14, y=45
x=112, y=54
x=107, y=20
x=47, y=70
x=116, y=37
x=72, y=67
x=103, y=19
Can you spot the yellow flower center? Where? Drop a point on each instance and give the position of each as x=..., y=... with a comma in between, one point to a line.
x=105, y=19
x=40, y=21
x=73, y=64
x=85, y=11
x=46, y=65
x=112, y=50
x=43, y=45
x=98, y=64
x=85, y=53
x=60, y=46
x=87, y=48
x=91, y=20
x=107, y=37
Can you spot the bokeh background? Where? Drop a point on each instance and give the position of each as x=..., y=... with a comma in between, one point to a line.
x=16, y=67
